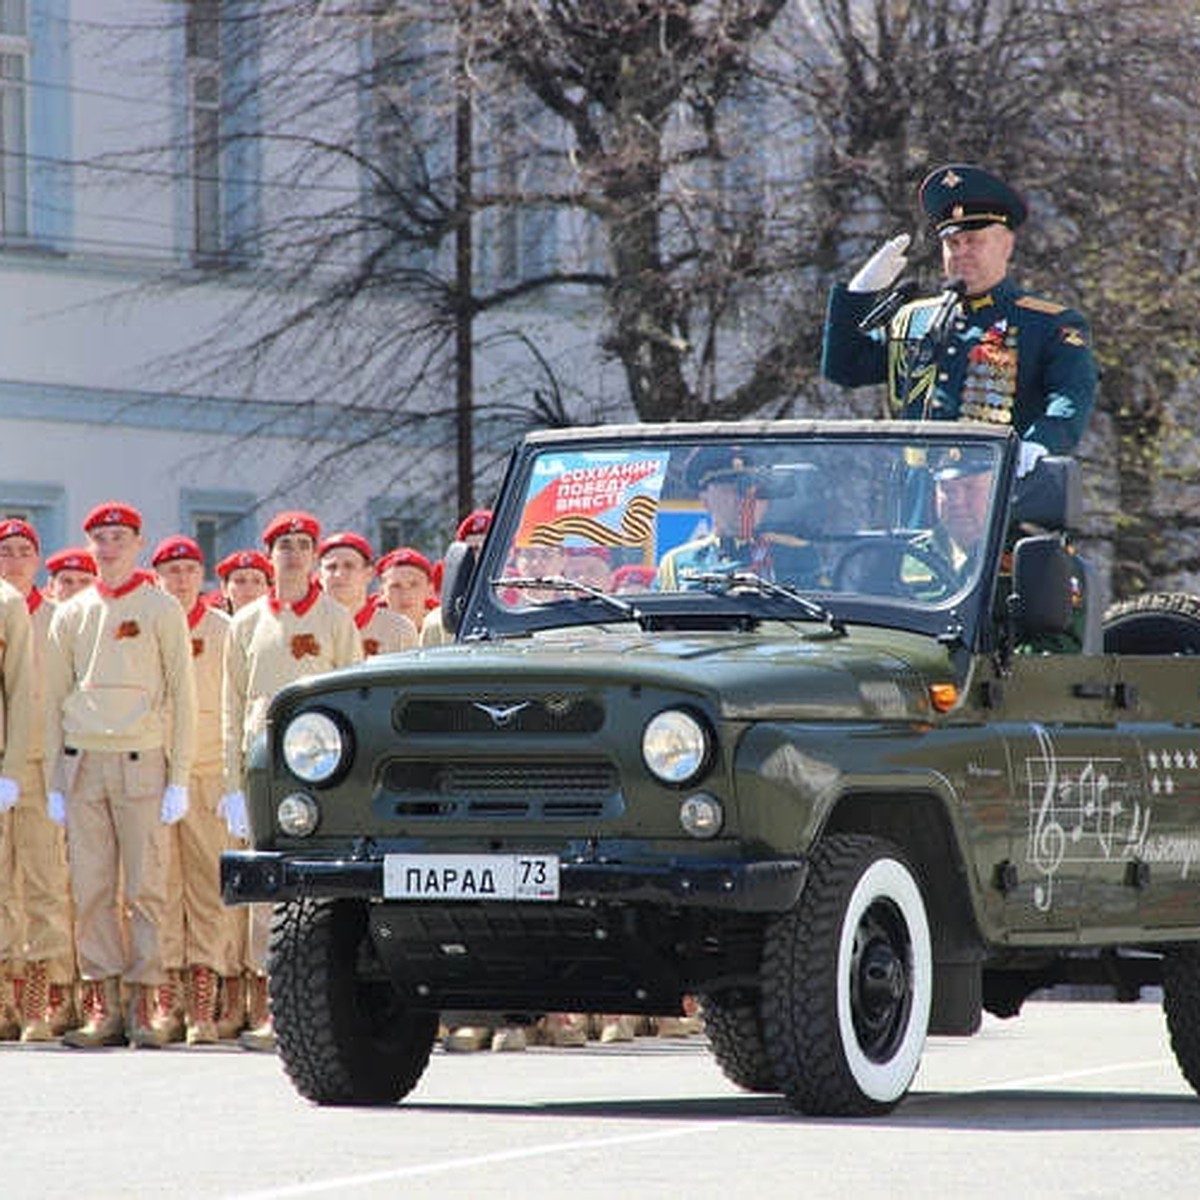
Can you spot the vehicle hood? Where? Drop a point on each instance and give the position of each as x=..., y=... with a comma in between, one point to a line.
x=869, y=674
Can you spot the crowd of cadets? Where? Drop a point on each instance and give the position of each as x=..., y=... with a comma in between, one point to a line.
x=128, y=699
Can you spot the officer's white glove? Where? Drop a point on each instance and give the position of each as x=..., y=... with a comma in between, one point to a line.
x=174, y=804
x=883, y=268
x=232, y=806
x=1029, y=455
x=9, y=791
x=56, y=807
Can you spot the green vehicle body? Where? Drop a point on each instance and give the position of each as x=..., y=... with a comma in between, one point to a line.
x=1046, y=804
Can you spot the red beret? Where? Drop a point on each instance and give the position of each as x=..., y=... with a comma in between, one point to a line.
x=405, y=556
x=15, y=527
x=439, y=572
x=633, y=573
x=173, y=548
x=474, y=523
x=349, y=541
x=113, y=513
x=71, y=559
x=296, y=521
x=244, y=560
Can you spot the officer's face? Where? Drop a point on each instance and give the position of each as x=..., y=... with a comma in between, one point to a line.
x=979, y=257
x=962, y=505
x=726, y=502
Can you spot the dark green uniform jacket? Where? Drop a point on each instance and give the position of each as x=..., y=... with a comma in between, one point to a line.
x=1010, y=358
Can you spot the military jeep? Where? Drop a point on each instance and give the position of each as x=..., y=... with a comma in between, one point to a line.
x=853, y=766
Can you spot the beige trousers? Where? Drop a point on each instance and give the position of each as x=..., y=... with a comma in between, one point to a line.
x=114, y=825
x=199, y=929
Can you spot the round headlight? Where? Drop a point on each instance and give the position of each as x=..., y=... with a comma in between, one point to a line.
x=298, y=815
x=701, y=815
x=312, y=747
x=675, y=746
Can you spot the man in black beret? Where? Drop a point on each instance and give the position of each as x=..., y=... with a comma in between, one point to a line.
x=985, y=349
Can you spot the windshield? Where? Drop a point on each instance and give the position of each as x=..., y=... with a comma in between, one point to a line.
x=901, y=521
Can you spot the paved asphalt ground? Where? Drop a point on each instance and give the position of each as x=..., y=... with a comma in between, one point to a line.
x=1069, y=1100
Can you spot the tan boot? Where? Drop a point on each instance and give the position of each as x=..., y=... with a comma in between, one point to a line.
x=63, y=1008
x=154, y=1018
x=201, y=1006
x=102, y=1021
x=231, y=1008
x=10, y=1013
x=35, y=1004
x=261, y=1033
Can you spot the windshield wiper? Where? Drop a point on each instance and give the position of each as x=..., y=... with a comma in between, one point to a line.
x=562, y=584
x=724, y=582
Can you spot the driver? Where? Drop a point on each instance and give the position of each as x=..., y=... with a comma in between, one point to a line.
x=736, y=494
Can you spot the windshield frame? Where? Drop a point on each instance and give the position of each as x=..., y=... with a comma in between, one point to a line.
x=962, y=618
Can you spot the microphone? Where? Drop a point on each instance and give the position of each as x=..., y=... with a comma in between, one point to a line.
x=887, y=308
x=952, y=293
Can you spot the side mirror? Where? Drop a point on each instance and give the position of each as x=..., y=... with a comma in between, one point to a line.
x=1050, y=496
x=459, y=566
x=1041, y=596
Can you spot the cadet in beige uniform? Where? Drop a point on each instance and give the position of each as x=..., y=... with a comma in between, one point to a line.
x=295, y=630
x=37, y=865
x=346, y=569
x=406, y=583
x=16, y=710
x=472, y=529
x=70, y=571
x=120, y=739
x=206, y=937
x=245, y=575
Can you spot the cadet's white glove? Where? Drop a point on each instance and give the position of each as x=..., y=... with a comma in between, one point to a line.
x=8, y=793
x=174, y=804
x=232, y=806
x=1029, y=455
x=883, y=268
x=56, y=807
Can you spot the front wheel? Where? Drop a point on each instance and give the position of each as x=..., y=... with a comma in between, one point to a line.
x=847, y=981
x=733, y=1022
x=344, y=1033
x=1181, y=1003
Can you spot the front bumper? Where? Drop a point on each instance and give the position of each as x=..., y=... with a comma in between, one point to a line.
x=771, y=885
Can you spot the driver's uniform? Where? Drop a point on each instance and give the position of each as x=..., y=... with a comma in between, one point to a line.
x=779, y=557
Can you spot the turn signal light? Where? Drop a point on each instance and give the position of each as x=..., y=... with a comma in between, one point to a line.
x=943, y=696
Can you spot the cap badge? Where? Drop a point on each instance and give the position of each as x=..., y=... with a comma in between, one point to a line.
x=951, y=179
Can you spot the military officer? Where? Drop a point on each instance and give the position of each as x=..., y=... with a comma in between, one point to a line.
x=986, y=349
x=120, y=739
x=292, y=631
x=37, y=867
x=736, y=492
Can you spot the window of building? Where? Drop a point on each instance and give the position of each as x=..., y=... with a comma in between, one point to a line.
x=221, y=522
x=204, y=31
x=14, y=84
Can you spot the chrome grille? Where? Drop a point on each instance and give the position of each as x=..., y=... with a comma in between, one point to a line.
x=499, y=714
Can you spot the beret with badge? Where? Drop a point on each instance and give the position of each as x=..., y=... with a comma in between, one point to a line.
x=347, y=540
x=15, y=527
x=175, y=548
x=293, y=521
x=112, y=512
x=73, y=558
x=244, y=560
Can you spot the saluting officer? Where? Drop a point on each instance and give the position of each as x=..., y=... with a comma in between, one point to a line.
x=120, y=739
x=293, y=631
x=986, y=349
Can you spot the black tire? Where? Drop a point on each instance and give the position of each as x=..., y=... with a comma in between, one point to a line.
x=1157, y=623
x=1181, y=1004
x=847, y=981
x=344, y=1033
x=733, y=1022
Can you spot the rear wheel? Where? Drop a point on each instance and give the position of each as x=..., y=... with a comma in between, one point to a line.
x=848, y=980
x=733, y=1022
x=344, y=1033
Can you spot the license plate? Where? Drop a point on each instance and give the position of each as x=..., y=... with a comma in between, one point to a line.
x=470, y=876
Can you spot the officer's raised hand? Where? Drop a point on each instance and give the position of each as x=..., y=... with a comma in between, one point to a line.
x=883, y=268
